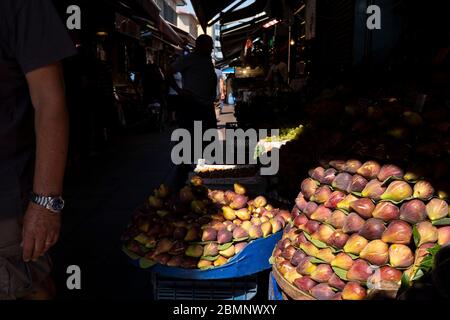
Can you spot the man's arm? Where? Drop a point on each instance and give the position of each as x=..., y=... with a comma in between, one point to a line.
x=41, y=228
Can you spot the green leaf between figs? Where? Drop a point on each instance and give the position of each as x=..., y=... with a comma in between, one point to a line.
x=319, y=244
x=131, y=254
x=212, y=259
x=353, y=256
x=405, y=284
x=145, y=263
x=225, y=246
x=441, y=222
x=341, y=273
x=204, y=242
x=357, y=194
x=316, y=260
x=419, y=274
x=416, y=236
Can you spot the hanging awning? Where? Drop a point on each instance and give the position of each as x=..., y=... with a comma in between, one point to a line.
x=250, y=11
x=188, y=39
x=208, y=9
x=234, y=39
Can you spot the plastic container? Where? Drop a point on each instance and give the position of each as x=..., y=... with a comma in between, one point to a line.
x=240, y=289
x=275, y=293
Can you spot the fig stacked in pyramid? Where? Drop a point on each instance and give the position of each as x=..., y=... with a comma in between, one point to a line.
x=358, y=227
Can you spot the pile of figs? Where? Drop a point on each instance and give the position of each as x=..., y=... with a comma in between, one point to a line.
x=200, y=228
x=360, y=227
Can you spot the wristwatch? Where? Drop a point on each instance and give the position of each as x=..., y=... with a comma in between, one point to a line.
x=53, y=204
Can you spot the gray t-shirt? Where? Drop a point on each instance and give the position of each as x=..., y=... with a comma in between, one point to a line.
x=199, y=77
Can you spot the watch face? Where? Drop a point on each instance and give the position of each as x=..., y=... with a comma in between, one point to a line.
x=57, y=204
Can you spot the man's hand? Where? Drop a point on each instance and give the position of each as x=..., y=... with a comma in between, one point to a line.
x=40, y=232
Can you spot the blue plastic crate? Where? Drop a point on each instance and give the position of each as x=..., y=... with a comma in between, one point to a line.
x=275, y=293
x=165, y=288
x=252, y=260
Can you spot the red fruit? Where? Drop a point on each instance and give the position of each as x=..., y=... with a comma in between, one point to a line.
x=360, y=271
x=328, y=176
x=390, y=170
x=373, y=229
x=353, y=223
x=354, y=291
x=370, y=169
x=305, y=283
x=334, y=199
x=309, y=187
x=358, y=183
x=322, y=292
x=364, y=207
x=338, y=239
x=337, y=219
x=343, y=181
x=317, y=173
x=398, y=232
x=413, y=211
x=386, y=211
x=336, y=282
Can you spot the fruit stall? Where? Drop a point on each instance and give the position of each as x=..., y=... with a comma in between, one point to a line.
x=206, y=238
x=359, y=230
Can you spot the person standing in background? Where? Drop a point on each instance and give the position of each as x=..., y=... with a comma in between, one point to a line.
x=220, y=90
x=33, y=144
x=173, y=99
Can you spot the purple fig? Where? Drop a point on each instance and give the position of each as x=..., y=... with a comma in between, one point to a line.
x=255, y=232
x=317, y=173
x=388, y=171
x=312, y=226
x=353, y=223
x=338, y=239
x=345, y=204
x=260, y=202
x=360, y=271
x=444, y=236
x=373, y=229
x=322, y=292
x=338, y=165
x=334, y=199
x=179, y=233
x=336, y=282
x=224, y=236
x=358, y=183
x=369, y=170
x=288, y=252
x=239, y=189
x=328, y=176
x=305, y=283
x=386, y=211
x=209, y=234
x=238, y=202
x=353, y=291
x=240, y=233
x=343, y=181
x=351, y=166
x=322, y=214
x=355, y=244
x=373, y=190
x=322, y=273
x=399, y=232
x=301, y=202
x=397, y=191
x=239, y=247
x=423, y=190
x=211, y=250
x=321, y=195
x=175, y=261
x=310, y=208
x=427, y=232
x=364, y=207
x=337, y=219
x=309, y=187
x=413, y=211
x=297, y=257
x=400, y=256
x=376, y=252
x=437, y=209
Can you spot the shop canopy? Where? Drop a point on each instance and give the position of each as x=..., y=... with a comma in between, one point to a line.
x=233, y=39
x=247, y=12
x=208, y=9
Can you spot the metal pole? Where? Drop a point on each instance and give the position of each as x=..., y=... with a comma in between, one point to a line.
x=289, y=54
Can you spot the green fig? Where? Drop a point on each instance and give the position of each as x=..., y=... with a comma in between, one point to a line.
x=437, y=209
x=423, y=190
x=397, y=191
